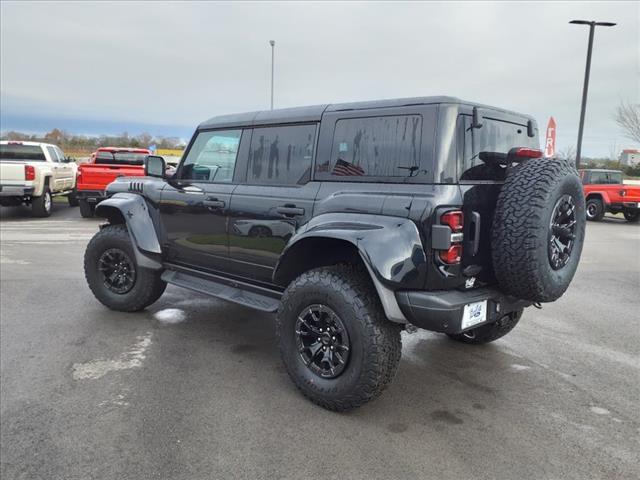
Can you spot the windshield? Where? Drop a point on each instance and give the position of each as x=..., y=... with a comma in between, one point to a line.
x=21, y=153
x=124, y=158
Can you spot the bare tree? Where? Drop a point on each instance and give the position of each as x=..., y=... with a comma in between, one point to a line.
x=627, y=117
x=568, y=153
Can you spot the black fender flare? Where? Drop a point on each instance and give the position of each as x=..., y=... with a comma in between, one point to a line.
x=133, y=210
x=390, y=247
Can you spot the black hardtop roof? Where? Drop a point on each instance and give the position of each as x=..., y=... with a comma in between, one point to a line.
x=606, y=170
x=314, y=113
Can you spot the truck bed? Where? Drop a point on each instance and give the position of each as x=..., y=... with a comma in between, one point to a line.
x=96, y=177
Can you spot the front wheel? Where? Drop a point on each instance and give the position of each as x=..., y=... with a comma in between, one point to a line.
x=632, y=217
x=72, y=198
x=113, y=274
x=489, y=333
x=334, y=339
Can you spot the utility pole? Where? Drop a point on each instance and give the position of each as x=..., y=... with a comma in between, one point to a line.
x=273, y=47
x=587, y=71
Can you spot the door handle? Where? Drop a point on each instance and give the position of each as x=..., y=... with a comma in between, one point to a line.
x=211, y=202
x=289, y=210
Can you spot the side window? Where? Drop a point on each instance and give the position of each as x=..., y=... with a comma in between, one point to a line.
x=212, y=157
x=53, y=154
x=376, y=146
x=599, y=178
x=281, y=155
x=60, y=153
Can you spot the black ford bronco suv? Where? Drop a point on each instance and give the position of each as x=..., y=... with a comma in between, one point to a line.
x=352, y=222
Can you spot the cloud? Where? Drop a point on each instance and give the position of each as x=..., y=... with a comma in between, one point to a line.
x=180, y=63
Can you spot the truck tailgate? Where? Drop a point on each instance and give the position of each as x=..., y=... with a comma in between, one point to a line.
x=93, y=176
x=12, y=173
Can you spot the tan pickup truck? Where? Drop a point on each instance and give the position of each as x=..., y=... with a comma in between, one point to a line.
x=31, y=173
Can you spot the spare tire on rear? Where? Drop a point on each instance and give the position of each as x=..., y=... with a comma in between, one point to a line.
x=538, y=229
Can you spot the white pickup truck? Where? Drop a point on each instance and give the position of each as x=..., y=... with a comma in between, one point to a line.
x=31, y=173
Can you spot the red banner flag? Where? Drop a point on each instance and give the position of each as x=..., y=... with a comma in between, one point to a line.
x=550, y=142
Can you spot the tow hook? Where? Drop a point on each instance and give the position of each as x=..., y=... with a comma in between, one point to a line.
x=538, y=305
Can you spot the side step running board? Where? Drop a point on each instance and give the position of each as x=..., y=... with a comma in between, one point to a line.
x=222, y=291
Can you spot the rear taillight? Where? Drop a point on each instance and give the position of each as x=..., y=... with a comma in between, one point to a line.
x=29, y=172
x=454, y=219
x=528, y=153
x=453, y=255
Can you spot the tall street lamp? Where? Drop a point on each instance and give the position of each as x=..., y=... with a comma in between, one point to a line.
x=587, y=70
x=273, y=45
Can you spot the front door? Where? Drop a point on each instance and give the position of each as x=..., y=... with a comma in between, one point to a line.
x=274, y=201
x=195, y=203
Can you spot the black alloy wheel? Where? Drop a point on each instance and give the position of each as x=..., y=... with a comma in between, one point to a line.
x=322, y=340
x=562, y=232
x=118, y=271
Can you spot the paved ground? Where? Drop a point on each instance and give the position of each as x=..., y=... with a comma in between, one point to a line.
x=199, y=392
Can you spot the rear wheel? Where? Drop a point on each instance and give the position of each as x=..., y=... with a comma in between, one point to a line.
x=86, y=210
x=632, y=217
x=595, y=210
x=113, y=275
x=41, y=206
x=335, y=342
x=489, y=333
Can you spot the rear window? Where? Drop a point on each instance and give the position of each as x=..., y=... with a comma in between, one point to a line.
x=494, y=136
x=124, y=158
x=17, y=152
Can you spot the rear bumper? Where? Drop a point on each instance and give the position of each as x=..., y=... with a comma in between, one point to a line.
x=91, y=196
x=623, y=206
x=442, y=311
x=16, y=191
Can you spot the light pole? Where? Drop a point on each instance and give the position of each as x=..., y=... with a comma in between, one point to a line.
x=273, y=47
x=587, y=70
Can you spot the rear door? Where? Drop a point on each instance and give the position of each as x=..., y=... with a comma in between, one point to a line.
x=274, y=199
x=194, y=205
x=480, y=184
x=58, y=178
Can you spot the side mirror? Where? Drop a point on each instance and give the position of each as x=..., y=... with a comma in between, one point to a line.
x=68, y=160
x=476, y=119
x=154, y=166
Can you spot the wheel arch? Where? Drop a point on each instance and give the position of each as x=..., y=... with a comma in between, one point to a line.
x=602, y=196
x=132, y=210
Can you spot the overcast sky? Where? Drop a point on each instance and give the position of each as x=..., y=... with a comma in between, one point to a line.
x=178, y=64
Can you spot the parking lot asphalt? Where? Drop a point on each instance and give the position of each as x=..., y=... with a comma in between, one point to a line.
x=193, y=388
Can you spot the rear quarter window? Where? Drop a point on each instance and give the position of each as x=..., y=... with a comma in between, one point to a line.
x=382, y=146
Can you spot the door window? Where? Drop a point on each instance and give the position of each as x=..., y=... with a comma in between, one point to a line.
x=212, y=157
x=281, y=155
x=53, y=154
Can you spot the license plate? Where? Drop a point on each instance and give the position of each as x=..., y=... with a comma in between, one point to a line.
x=474, y=313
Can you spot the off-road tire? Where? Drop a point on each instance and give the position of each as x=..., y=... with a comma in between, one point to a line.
x=148, y=286
x=39, y=204
x=632, y=217
x=521, y=230
x=72, y=198
x=86, y=209
x=594, y=210
x=375, y=345
x=490, y=332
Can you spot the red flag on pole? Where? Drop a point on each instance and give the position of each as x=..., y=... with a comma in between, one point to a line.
x=550, y=143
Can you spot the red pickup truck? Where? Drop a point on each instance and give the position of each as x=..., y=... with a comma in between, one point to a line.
x=605, y=192
x=106, y=164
